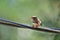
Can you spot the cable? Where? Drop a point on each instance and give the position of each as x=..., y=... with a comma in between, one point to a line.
x=14, y=24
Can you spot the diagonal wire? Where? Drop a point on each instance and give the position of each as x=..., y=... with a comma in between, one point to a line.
x=14, y=24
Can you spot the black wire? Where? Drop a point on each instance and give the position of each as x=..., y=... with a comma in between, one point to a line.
x=14, y=24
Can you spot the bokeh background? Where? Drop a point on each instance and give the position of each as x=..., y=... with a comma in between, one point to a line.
x=21, y=11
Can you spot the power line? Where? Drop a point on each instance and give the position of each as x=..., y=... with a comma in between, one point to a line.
x=14, y=24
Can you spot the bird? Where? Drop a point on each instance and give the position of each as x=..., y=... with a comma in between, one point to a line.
x=36, y=22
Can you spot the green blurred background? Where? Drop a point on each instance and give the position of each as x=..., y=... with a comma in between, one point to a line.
x=21, y=11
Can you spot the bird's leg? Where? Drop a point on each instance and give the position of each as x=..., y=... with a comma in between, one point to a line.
x=35, y=25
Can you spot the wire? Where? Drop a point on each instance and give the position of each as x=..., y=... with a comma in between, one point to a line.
x=15, y=24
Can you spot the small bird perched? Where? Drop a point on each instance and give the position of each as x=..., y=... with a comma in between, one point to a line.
x=36, y=22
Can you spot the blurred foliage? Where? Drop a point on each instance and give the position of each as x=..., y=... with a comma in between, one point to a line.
x=7, y=33
x=22, y=10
